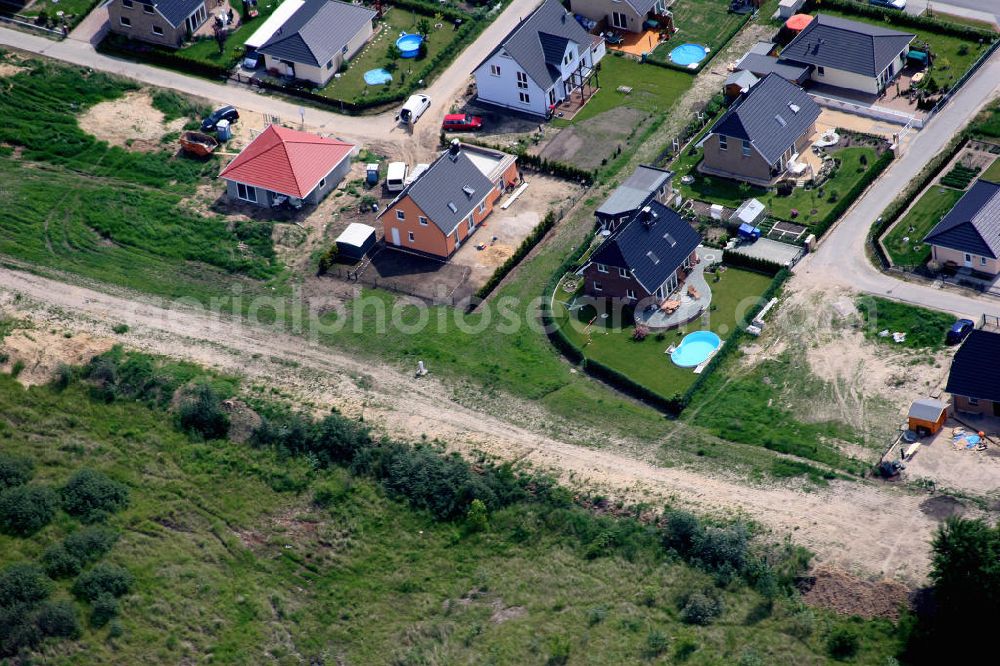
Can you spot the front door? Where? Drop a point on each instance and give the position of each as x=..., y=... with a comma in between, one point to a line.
x=395, y=236
x=968, y=260
x=619, y=20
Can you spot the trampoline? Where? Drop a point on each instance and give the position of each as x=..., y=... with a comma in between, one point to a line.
x=409, y=45
x=377, y=77
x=688, y=54
x=695, y=349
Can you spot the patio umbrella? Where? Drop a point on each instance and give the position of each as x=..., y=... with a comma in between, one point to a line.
x=798, y=22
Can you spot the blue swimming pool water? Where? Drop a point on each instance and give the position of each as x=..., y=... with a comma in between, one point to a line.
x=695, y=348
x=377, y=77
x=409, y=45
x=688, y=54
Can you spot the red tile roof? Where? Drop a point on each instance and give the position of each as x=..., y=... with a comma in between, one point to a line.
x=286, y=161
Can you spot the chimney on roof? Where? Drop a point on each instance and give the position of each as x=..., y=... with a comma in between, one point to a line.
x=647, y=216
x=455, y=147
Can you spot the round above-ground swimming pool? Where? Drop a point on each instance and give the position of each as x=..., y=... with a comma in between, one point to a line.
x=377, y=77
x=409, y=45
x=688, y=54
x=695, y=348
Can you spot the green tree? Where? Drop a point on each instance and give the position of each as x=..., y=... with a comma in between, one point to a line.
x=200, y=412
x=92, y=496
x=22, y=584
x=14, y=470
x=477, y=519
x=58, y=618
x=103, y=579
x=26, y=509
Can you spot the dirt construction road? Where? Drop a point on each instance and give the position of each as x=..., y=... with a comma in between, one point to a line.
x=872, y=530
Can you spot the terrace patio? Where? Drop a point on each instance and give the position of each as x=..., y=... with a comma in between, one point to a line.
x=690, y=306
x=637, y=43
x=219, y=10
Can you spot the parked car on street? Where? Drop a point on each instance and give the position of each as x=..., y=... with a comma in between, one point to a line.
x=959, y=331
x=223, y=113
x=891, y=4
x=414, y=108
x=461, y=122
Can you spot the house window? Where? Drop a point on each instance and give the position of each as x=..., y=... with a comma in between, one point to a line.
x=746, y=148
x=601, y=268
x=422, y=220
x=723, y=142
x=522, y=80
x=821, y=71
x=968, y=258
x=630, y=293
x=409, y=236
x=148, y=9
x=472, y=223
x=482, y=206
x=343, y=49
x=329, y=65
x=495, y=70
x=982, y=261
x=400, y=215
x=127, y=3
x=157, y=30
x=974, y=401
x=127, y=22
x=524, y=97
x=322, y=183
x=597, y=286
x=623, y=272
x=246, y=193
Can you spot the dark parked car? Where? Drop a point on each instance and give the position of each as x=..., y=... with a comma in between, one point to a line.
x=224, y=113
x=461, y=122
x=959, y=331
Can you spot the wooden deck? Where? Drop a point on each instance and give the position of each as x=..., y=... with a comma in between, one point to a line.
x=637, y=43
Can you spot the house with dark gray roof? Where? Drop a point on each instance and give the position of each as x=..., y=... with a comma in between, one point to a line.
x=646, y=258
x=849, y=54
x=761, y=65
x=317, y=39
x=761, y=134
x=540, y=63
x=969, y=235
x=973, y=382
x=438, y=212
x=646, y=184
x=163, y=22
x=627, y=15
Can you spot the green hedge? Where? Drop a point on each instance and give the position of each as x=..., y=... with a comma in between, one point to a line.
x=550, y=167
x=757, y=264
x=532, y=239
x=119, y=45
x=902, y=19
x=853, y=194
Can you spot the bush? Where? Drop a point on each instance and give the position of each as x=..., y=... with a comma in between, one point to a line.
x=90, y=543
x=26, y=509
x=14, y=470
x=476, y=518
x=17, y=630
x=22, y=584
x=842, y=643
x=656, y=643
x=103, y=610
x=682, y=532
x=200, y=413
x=701, y=608
x=103, y=579
x=58, y=619
x=92, y=496
x=59, y=563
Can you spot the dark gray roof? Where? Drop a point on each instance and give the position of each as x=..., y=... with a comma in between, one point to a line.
x=317, y=31
x=767, y=117
x=762, y=48
x=175, y=11
x=641, y=7
x=742, y=78
x=973, y=370
x=762, y=65
x=636, y=191
x=927, y=409
x=448, y=190
x=973, y=225
x=652, y=246
x=533, y=44
x=861, y=48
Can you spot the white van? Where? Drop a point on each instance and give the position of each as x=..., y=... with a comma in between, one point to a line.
x=395, y=176
x=414, y=108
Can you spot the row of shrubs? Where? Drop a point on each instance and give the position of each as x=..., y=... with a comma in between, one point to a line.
x=539, y=163
x=530, y=241
x=758, y=264
x=120, y=45
x=902, y=19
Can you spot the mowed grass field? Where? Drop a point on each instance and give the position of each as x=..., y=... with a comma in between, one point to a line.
x=234, y=563
x=933, y=205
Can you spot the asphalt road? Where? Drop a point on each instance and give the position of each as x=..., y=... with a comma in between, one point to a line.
x=955, y=7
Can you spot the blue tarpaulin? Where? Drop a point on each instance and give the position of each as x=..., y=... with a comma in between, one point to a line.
x=919, y=56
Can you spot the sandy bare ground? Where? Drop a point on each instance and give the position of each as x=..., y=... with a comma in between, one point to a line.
x=130, y=121
x=869, y=529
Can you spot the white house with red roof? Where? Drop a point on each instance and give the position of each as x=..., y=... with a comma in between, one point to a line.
x=282, y=162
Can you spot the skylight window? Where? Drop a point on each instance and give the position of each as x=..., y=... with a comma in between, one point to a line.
x=669, y=239
x=452, y=207
x=781, y=121
x=652, y=257
x=468, y=191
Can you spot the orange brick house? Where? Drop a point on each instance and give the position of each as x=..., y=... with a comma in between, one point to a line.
x=436, y=213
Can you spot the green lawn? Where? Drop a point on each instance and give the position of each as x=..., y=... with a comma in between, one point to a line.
x=705, y=22
x=953, y=55
x=74, y=11
x=645, y=362
x=992, y=173
x=925, y=329
x=206, y=49
x=916, y=224
x=351, y=85
x=850, y=171
x=654, y=89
